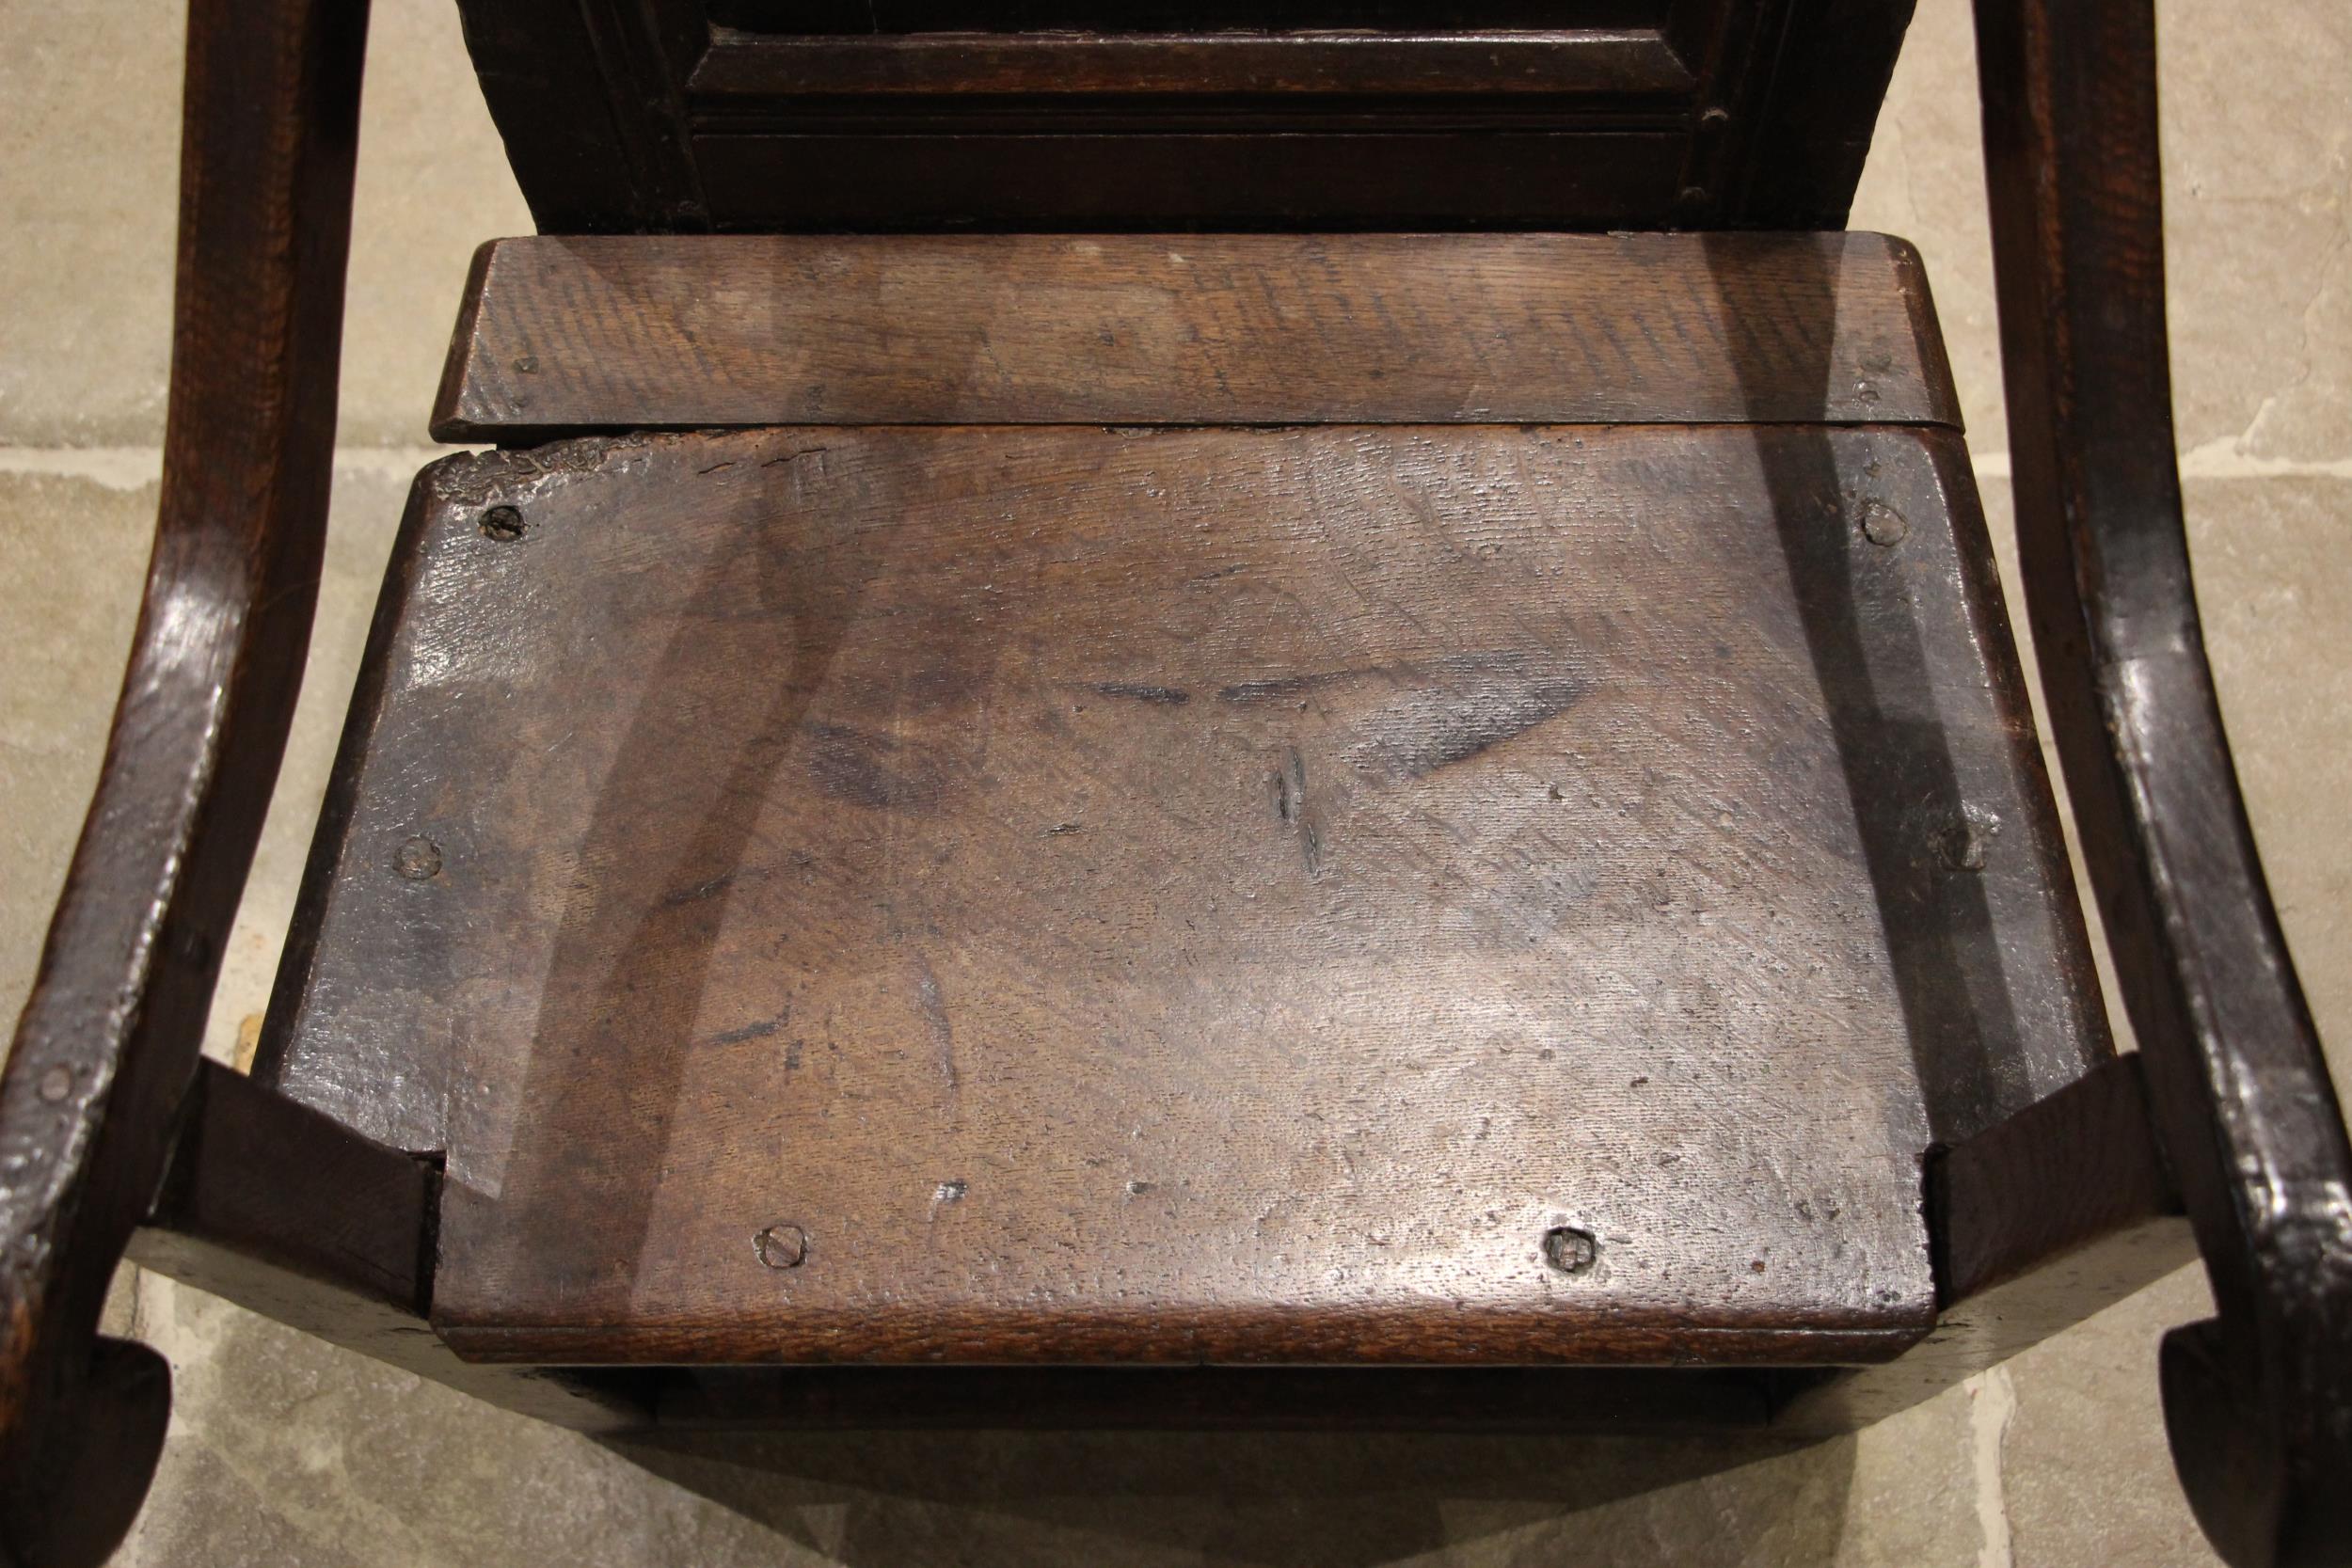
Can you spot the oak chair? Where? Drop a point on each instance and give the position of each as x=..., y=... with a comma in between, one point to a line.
x=1186, y=715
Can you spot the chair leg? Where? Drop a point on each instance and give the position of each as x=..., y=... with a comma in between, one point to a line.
x=108, y=1042
x=2241, y=1095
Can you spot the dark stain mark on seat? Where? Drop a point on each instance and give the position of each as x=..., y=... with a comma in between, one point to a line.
x=868, y=770
x=1425, y=731
x=1166, y=696
x=1285, y=686
x=749, y=1032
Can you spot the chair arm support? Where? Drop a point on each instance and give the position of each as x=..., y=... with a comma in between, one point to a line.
x=2259, y=1404
x=109, y=1040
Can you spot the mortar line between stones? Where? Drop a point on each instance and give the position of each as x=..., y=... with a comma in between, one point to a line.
x=2215, y=459
x=1992, y=1405
x=136, y=467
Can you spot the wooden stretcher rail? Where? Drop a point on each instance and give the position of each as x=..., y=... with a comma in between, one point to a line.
x=1582, y=60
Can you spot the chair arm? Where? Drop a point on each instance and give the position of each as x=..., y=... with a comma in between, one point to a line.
x=108, y=1042
x=2259, y=1401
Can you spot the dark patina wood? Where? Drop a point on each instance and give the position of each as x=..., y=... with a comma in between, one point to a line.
x=2037, y=1222
x=1187, y=895
x=108, y=1040
x=347, y=1253
x=2259, y=1402
x=562, y=336
x=1390, y=889
x=1582, y=61
x=284, y=1210
x=629, y=116
x=359, y=1227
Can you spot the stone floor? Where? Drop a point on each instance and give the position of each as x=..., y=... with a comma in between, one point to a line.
x=285, y=1451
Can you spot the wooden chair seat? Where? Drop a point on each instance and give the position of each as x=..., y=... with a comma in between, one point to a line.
x=1354, y=801
x=1398, y=828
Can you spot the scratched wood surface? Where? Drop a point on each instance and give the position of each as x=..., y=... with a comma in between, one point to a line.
x=1320, y=894
x=566, y=334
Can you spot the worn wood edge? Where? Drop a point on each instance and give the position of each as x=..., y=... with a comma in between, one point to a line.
x=1438, y=1337
x=1927, y=332
x=574, y=388
x=1992, y=621
x=345, y=1253
x=449, y=392
x=274, y=1063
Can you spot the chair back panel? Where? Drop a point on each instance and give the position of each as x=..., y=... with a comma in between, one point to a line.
x=650, y=116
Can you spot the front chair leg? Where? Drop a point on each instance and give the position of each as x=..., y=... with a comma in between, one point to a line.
x=108, y=1042
x=2259, y=1402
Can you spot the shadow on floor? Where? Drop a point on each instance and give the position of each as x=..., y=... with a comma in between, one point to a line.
x=867, y=1499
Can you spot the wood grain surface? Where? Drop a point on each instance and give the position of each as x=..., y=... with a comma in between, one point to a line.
x=563, y=335
x=1047, y=895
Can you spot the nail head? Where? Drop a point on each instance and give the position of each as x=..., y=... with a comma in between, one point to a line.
x=419, y=859
x=1570, y=1250
x=782, y=1246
